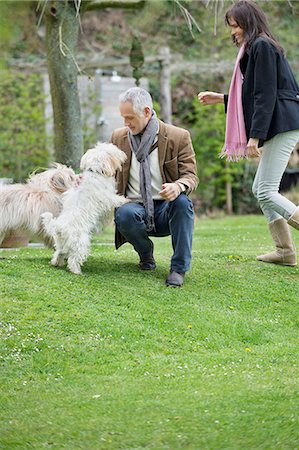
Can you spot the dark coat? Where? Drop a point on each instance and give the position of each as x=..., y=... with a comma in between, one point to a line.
x=270, y=93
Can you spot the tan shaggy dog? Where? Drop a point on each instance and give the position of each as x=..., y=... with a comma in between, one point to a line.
x=21, y=205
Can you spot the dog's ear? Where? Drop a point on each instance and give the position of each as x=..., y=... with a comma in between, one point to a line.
x=57, y=183
x=117, y=158
x=112, y=165
x=62, y=180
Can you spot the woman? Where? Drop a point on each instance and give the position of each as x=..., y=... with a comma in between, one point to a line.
x=262, y=119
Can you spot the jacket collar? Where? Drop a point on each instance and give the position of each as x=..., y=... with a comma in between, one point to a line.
x=162, y=145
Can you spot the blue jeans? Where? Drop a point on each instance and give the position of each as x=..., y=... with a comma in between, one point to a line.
x=171, y=218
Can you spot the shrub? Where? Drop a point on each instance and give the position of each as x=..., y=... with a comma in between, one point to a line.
x=22, y=127
x=208, y=135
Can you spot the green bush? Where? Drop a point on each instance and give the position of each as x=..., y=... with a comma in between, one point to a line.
x=243, y=200
x=208, y=135
x=22, y=127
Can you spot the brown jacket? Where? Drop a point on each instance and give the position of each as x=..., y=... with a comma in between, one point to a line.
x=175, y=152
x=176, y=159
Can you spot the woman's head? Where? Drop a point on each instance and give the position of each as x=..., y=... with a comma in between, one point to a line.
x=248, y=17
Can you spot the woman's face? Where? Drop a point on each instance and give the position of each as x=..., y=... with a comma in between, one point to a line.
x=237, y=32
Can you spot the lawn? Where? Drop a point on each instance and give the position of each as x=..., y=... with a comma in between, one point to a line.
x=115, y=360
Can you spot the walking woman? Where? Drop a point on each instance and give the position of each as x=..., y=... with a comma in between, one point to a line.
x=262, y=120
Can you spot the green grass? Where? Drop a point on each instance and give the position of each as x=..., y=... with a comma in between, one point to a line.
x=115, y=360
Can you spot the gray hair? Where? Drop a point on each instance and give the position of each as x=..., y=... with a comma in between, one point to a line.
x=139, y=98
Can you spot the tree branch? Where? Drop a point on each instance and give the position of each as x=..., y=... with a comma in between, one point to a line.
x=90, y=5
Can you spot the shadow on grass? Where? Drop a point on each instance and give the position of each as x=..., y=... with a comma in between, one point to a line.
x=101, y=266
x=121, y=268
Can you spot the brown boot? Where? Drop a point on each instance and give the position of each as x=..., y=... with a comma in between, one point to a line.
x=294, y=219
x=285, y=253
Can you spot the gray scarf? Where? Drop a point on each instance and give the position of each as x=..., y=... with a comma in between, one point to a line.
x=141, y=146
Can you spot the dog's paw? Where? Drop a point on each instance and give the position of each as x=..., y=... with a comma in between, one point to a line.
x=76, y=271
x=74, y=268
x=46, y=215
x=46, y=218
x=57, y=261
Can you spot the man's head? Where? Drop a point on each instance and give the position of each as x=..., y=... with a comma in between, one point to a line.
x=136, y=106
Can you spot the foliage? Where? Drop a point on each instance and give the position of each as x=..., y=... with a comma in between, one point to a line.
x=5, y=32
x=163, y=21
x=208, y=134
x=243, y=200
x=22, y=127
x=23, y=146
x=136, y=59
x=160, y=22
x=115, y=360
x=208, y=138
x=18, y=33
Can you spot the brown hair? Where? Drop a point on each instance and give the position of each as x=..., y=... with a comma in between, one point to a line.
x=250, y=17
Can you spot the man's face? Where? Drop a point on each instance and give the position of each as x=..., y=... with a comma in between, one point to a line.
x=135, y=122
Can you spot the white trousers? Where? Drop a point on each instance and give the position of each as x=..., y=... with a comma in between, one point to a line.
x=275, y=155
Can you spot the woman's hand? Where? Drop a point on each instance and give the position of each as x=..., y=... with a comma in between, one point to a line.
x=210, y=98
x=252, y=148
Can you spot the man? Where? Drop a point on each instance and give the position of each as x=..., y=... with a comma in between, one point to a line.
x=159, y=173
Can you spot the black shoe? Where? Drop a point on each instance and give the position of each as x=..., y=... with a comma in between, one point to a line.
x=175, y=279
x=150, y=264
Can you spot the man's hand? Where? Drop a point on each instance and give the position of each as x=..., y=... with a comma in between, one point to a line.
x=252, y=148
x=170, y=191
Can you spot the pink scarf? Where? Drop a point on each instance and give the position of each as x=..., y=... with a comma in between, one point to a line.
x=235, y=136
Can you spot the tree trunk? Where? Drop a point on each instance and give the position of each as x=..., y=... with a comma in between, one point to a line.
x=62, y=27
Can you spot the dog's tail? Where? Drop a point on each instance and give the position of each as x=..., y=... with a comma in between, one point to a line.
x=48, y=223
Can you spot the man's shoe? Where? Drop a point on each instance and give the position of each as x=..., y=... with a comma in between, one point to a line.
x=150, y=264
x=175, y=279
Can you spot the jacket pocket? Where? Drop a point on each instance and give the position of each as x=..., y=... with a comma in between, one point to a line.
x=171, y=169
x=288, y=94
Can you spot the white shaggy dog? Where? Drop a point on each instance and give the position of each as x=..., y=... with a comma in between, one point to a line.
x=21, y=205
x=86, y=206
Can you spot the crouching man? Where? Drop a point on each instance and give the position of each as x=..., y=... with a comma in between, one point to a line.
x=157, y=177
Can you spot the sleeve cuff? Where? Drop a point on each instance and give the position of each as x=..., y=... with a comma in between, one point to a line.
x=182, y=187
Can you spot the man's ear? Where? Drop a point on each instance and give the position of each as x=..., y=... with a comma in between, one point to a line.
x=147, y=112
